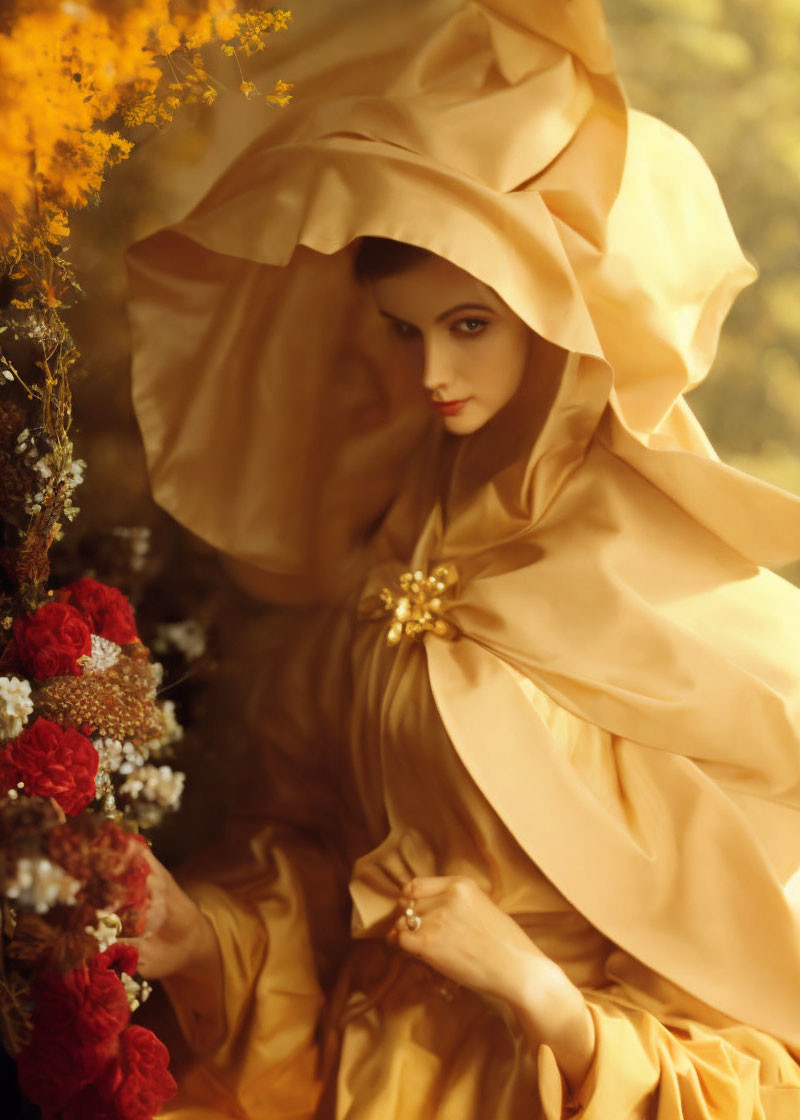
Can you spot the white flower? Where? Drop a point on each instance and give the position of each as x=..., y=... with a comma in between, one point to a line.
x=41, y=884
x=107, y=930
x=137, y=992
x=160, y=785
x=104, y=655
x=173, y=731
x=111, y=753
x=156, y=679
x=135, y=757
x=118, y=756
x=188, y=637
x=15, y=706
x=138, y=538
x=76, y=471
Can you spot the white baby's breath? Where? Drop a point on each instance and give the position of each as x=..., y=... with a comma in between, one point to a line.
x=40, y=884
x=187, y=637
x=160, y=784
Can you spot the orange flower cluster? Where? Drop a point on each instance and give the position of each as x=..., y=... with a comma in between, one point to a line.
x=118, y=704
x=70, y=66
x=72, y=71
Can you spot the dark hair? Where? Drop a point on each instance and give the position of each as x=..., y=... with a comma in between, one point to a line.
x=381, y=256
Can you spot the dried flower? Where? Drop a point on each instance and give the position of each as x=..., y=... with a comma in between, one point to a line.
x=117, y=704
x=70, y=67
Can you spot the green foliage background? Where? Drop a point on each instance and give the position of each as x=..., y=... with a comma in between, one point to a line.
x=727, y=74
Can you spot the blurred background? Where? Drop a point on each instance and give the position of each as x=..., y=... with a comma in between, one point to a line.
x=727, y=74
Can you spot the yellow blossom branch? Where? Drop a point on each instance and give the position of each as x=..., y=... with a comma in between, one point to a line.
x=67, y=71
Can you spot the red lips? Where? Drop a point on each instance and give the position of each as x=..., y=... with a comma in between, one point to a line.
x=449, y=408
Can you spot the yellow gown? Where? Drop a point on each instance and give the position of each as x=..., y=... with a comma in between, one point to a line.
x=389, y=1038
x=607, y=733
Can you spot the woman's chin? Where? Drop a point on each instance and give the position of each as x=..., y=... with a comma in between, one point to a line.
x=469, y=420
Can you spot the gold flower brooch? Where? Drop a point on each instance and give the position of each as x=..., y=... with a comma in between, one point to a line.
x=418, y=604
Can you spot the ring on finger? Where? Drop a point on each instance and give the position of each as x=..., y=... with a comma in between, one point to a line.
x=413, y=920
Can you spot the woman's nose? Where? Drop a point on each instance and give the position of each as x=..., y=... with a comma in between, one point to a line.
x=436, y=373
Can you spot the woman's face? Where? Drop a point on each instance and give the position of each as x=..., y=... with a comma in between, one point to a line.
x=454, y=334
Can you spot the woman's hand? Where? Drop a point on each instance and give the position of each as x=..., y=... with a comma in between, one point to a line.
x=466, y=937
x=178, y=937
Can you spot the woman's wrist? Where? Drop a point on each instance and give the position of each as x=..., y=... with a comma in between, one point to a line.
x=551, y=1010
x=202, y=949
x=196, y=986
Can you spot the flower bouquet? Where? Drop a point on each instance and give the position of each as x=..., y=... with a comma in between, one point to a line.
x=83, y=743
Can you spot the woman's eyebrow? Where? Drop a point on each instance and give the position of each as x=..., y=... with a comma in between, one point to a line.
x=463, y=307
x=443, y=314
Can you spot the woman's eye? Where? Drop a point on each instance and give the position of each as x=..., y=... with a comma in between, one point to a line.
x=470, y=325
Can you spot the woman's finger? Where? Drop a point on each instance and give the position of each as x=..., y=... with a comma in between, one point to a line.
x=428, y=885
x=420, y=905
x=409, y=942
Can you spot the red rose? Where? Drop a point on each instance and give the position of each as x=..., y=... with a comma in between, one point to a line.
x=133, y=912
x=119, y=958
x=51, y=1072
x=133, y=1086
x=50, y=641
x=8, y=773
x=90, y=1102
x=112, y=866
x=145, y=1083
x=10, y=665
x=52, y=761
x=77, y=1022
x=88, y=1003
x=106, y=610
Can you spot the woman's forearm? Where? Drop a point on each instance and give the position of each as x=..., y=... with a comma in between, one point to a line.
x=196, y=988
x=551, y=1010
x=468, y=938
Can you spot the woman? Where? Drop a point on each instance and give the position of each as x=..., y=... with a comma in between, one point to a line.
x=533, y=734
